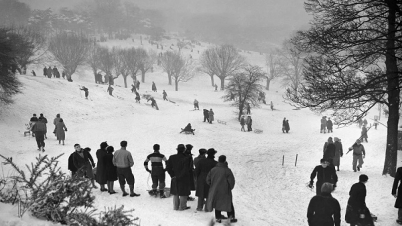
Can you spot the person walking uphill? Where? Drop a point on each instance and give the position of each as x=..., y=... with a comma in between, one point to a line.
x=201, y=171
x=364, y=133
x=358, y=154
x=206, y=115
x=154, y=87
x=338, y=152
x=357, y=213
x=61, y=130
x=221, y=181
x=123, y=160
x=101, y=169
x=324, y=174
x=242, y=123
x=397, y=193
x=157, y=171
x=324, y=210
x=39, y=128
x=178, y=167
x=211, y=116
x=329, y=151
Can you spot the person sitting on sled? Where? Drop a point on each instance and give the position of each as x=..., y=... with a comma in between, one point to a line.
x=188, y=129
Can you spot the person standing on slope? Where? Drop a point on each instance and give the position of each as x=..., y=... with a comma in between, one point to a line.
x=157, y=171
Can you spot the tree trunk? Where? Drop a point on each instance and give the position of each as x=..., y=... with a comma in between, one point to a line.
x=391, y=153
x=212, y=80
x=125, y=81
x=176, y=84
x=170, y=79
x=222, y=82
x=143, y=76
x=268, y=82
x=241, y=106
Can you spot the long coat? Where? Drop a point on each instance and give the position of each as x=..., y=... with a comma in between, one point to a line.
x=324, y=210
x=100, y=168
x=60, y=131
x=398, y=179
x=201, y=172
x=357, y=205
x=329, y=150
x=221, y=182
x=211, y=115
x=338, y=153
x=178, y=167
x=84, y=163
x=364, y=133
x=110, y=169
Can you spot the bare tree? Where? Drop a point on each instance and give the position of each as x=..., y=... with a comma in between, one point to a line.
x=93, y=59
x=227, y=61
x=292, y=65
x=133, y=62
x=70, y=50
x=273, y=62
x=207, y=61
x=121, y=63
x=107, y=64
x=181, y=69
x=167, y=63
x=245, y=86
x=146, y=61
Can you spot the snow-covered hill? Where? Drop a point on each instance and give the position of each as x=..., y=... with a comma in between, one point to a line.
x=266, y=193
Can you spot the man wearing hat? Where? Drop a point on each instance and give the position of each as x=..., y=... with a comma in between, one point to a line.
x=178, y=167
x=324, y=174
x=202, y=153
x=201, y=171
x=101, y=174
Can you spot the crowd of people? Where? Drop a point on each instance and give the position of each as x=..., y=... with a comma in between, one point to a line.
x=212, y=180
x=38, y=127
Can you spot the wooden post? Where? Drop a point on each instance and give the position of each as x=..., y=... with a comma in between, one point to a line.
x=296, y=159
x=283, y=160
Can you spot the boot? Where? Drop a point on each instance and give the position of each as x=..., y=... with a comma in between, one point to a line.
x=162, y=194
x=102, y=188
x=132, y=194
x=123, y=190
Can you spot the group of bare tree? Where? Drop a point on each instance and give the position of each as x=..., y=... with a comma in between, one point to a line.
x=177, y=66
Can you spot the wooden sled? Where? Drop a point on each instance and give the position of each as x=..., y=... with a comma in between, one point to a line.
x=187, y=132
x=258, y=131
x=221, y=122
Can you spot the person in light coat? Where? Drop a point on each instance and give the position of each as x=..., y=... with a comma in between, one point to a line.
x=221, y=181
x=60, y=131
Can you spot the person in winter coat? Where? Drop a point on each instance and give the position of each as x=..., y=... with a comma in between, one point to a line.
x=154, y=87
x=211, y=116
x=178, y=167
x=55, y=121
x=364, y=133
x=206, y=115
x=242, y=123
x=133, y=89
x=201, y=171
x=188, y=150
x=137, y=97
x=272, y=106
x=202, y=153
x=157, y=171
x=39, y=128
x=358, y=155
x=123, y=160
x=324, y=210
x=71, y=166
x=44, y=120
x=153, y=103
x=287, y=126
x=110, y=90
x=221, y=181
x=249, y=122
x=324, y=174
x=137, y=84
x=329, y=125
x=56, y=72
x=86, y=91
x=110, y=170
x=84, y=162
x=196, y=107
x=338, y=152
x=188, y=129
x=45, y=71
x=60, y=131
x=323, y=124
x=397, y=193
x=101, y=177
x=329, y=151
x=364, y=122
x=357, y=213
x=283, y=125
x=49, y=72
x=164, y=95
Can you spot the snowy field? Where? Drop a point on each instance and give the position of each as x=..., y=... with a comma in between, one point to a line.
x=266, y=193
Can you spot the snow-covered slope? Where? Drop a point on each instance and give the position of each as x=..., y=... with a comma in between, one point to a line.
x=266, y=193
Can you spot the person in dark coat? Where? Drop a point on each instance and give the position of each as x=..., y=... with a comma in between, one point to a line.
x=49, y=72
x=206, y=115
x=242, y=123
x=61, y=131
x=84, y=162
x=178, y=167
x=201, y=171
x=157, y=171
x=137, y=84
x=188, y=150
x=86, y=91
x=324, y=174
x=397, y=193
x=110, y=169
x=32, y=122
x=211, y=115
x=45, y=71
x=287, y=126
x=364, y=133
x=101, y=177
x=164, y=95
x=329, y=125
x=39, y=128
x=71, y=166
x=323, y=124
x=357, y=212
x=221, y=181
x=44, y=121
x=137, y=97
x=324, y=210
x=153, y=103
x=283, y=125
x=56, y=72
x=248, y=108
x=133, y=89
x=249, y=123
x=202, y=153
x=329, y=151
x=110, y=90
x=196, y=106
x=338, y=152
x=188, y=129
x=154, y=87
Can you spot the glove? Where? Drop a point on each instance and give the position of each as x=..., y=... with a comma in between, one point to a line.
x=310, y=185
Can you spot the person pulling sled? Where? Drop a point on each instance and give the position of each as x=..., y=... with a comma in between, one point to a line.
x=188, y=129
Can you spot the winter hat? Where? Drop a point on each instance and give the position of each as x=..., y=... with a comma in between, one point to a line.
x=211, y=152
x=202, y=151
x=104, y=145
x=181, y=148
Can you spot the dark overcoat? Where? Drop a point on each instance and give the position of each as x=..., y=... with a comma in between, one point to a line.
x=110, y=169
x=338, y=153
x=221, y=181
x=357, y=206
x=100, y=168
x=398, y=180
x=178, y=167
x=324, y=210
x=84, y=163
x=201, y=172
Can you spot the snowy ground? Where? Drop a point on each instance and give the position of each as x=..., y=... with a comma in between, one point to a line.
x=266, y=193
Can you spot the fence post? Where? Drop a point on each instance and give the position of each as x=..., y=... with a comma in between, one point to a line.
x=283, y=160
x=296, y=159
